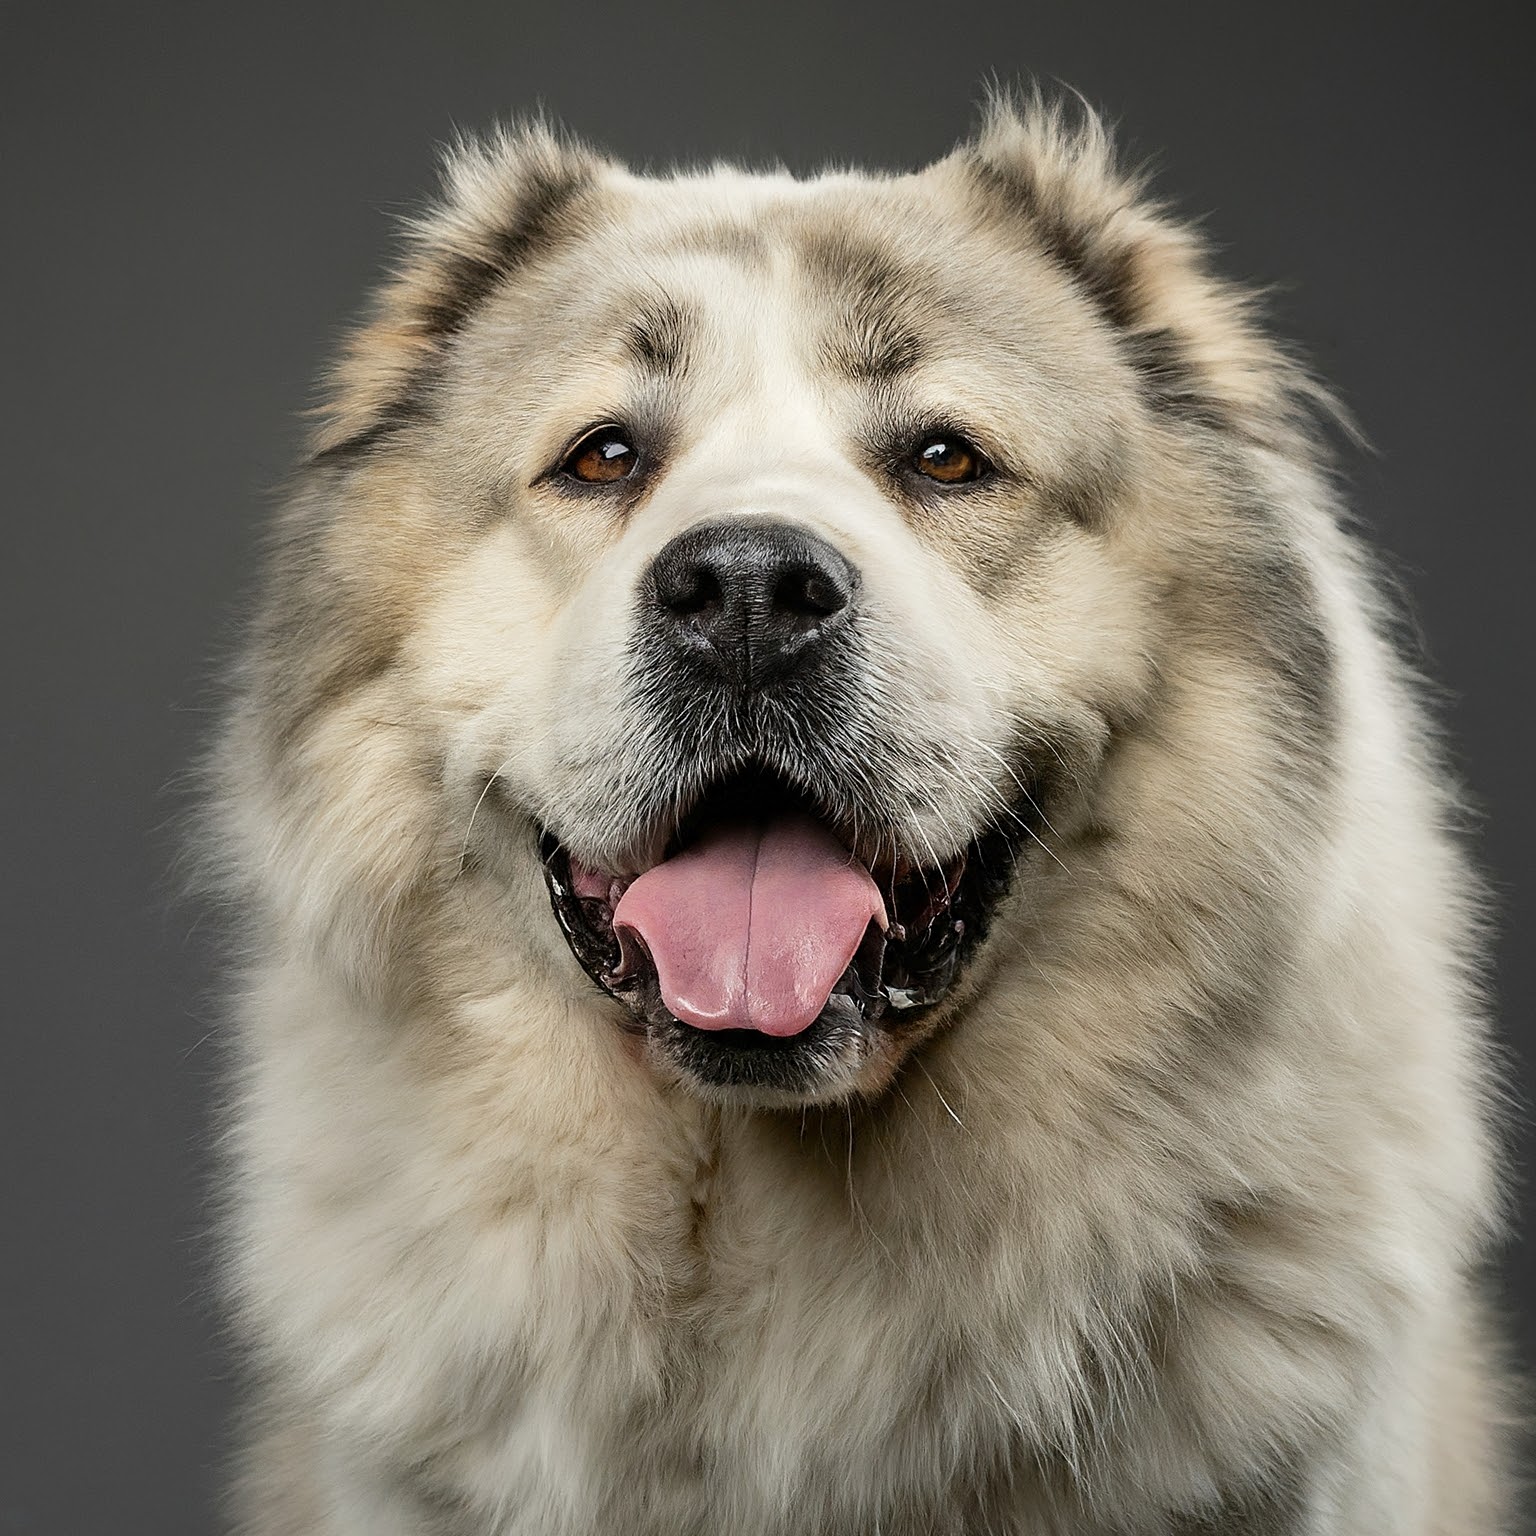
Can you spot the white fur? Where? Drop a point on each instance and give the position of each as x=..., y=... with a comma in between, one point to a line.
x=1058, y=1271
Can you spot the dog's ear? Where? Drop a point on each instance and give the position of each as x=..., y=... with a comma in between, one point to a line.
x=505, y=199
x=1050, y=173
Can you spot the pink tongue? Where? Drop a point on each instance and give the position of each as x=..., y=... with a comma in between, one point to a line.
x=751, y=926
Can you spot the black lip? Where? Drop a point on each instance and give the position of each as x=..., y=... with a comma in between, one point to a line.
x=745, y=1060
x=896, y=978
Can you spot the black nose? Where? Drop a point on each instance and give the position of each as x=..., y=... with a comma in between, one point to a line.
x=757, y=599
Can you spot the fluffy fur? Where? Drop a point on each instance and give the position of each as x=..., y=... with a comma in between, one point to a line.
x=1167, y=1220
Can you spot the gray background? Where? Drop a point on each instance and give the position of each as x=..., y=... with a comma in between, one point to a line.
x=194, y=202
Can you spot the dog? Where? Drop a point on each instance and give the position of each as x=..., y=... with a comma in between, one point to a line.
x=850, y=918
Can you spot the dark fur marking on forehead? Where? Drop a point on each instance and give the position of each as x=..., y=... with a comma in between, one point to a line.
x=657, y=336
x=737, y=241
x=536, y=225
x=875, y=352
x=873, y=294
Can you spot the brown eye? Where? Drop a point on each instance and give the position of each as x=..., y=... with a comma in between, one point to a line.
x=949, y=458
x=603, y=455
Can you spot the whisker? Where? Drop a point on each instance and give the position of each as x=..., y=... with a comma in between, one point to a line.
x=470, y=827
x=917, y=1062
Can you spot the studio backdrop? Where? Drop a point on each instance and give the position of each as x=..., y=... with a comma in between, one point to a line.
x=196, y=199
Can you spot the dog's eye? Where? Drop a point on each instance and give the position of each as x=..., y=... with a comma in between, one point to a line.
x=949, y=458
x=603, y=455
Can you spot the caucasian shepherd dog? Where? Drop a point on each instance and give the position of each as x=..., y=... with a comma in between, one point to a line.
x=850, y=915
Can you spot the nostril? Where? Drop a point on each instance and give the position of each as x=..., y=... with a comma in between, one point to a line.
x=809, y=592
x=693, y=591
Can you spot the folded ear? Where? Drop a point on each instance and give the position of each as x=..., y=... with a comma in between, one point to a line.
x=1192, y=337
x=504, y=201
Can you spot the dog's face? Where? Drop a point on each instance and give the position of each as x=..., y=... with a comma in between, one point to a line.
x=792, y=611
x=771, y=563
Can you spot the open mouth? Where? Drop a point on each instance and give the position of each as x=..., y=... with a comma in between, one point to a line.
x=761, y=946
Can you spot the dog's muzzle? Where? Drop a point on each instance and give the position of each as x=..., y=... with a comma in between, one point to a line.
x=765, y=946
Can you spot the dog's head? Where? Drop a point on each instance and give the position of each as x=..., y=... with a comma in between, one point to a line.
x=769, y=567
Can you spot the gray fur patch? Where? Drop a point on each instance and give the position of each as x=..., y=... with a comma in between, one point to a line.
x=872, y=292
x=1106, y=275
x=322, y=640
x=1276, y=1508
x=657, y=337
x=734, y=241
x=1260, y=604
x=1278, y=622
x=536, y=226
x=464, y=284
x=411, y=407
x=1170, y=382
